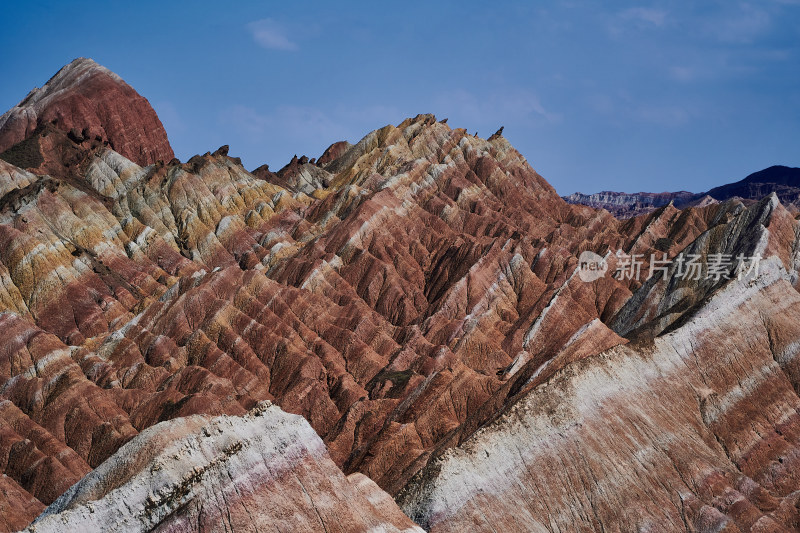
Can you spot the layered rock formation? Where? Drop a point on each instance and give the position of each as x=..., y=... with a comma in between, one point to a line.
x=264, y=471
x=87, y=102
x=711, y=442
x=401, y=294
x=300, y=175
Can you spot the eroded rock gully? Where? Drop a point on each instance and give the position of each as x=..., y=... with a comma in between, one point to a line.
x=415, y=298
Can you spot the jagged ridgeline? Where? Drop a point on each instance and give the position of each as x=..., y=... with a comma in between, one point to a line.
x=415, y=297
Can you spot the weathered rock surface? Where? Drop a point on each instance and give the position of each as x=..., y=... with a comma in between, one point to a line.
x=697, y=431
x=89, y=101
x=400, y=294
x=197, y=288
x=264, y=471
x=17, y=506
x=333, y=152
x=300, y=175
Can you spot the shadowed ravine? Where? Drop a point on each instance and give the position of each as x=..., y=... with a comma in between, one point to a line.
x=415, y=297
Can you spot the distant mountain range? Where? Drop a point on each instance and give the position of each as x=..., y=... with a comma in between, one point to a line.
x=783, y=181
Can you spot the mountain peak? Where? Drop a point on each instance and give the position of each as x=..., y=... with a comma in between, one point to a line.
x=93, y=101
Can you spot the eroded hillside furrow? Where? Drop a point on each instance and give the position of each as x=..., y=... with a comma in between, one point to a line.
x=416, y=297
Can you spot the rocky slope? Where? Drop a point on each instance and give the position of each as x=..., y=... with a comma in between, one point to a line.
x=401, y=294
x=711, y=442
x=89, y=103
x=264, y=471
x=781, y=180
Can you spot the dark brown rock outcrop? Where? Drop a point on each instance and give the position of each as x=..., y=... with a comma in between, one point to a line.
x=333, y=152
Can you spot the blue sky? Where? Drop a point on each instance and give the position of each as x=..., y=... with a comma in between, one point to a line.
x=626, y=96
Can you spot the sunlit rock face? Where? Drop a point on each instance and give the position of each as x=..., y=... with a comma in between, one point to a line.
x=401, y=294
x=89, y=101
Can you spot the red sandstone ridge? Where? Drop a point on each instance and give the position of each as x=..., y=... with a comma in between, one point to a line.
x=90, y=102
x=416, y=298
x=333, y=152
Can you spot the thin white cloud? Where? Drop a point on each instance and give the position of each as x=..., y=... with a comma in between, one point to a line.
x=635, y=19
x=742, y=26
x=290, y=121
x=600, y=103
x=271, y=35
x=652, y=16
x=683, y=74
x=621, y=109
